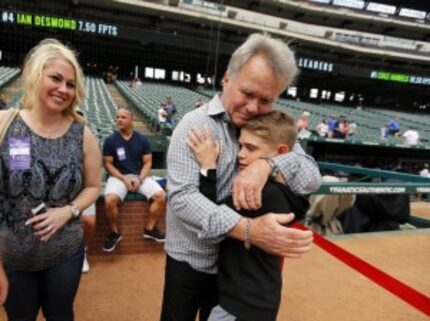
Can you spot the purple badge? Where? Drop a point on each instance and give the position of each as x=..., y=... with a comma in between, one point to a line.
x=120, y=151
x=19, y=153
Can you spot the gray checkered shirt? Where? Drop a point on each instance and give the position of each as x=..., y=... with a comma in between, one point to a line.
x=195, y=225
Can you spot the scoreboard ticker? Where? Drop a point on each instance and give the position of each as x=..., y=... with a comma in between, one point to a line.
x=55, y=22
x=398, y=77
x=76, y=25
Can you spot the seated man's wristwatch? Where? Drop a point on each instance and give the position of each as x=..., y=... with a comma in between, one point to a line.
x=76, y=213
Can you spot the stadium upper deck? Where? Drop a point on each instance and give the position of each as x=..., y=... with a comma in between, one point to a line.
x=402, y=18
x=192, y=47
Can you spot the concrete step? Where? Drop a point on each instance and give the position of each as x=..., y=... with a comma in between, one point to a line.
x=139, y=124
x=118, y=99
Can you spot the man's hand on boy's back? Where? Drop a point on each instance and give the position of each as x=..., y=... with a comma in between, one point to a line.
x=269, y=233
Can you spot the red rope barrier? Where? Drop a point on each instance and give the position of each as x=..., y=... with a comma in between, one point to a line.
x=399, y=289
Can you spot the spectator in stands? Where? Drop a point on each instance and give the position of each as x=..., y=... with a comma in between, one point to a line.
x=170, y=108
x=2, y=101
x=162, y=116
x=136, y=83
x=322, y=128
x=258, y=71
x=384, y=132
x=303, y=121
x=331, y=123
x=54, y=175
x=425, y=171
x=394, y=127
x=353, y=127
x=110, y=75
x=256, y=292
x=128, y=160
x=341, y=128
x=302, y=125
x=411, y=136
x=360, y=102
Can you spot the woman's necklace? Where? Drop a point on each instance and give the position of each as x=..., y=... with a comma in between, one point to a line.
x=51, y=133
x=38, y=128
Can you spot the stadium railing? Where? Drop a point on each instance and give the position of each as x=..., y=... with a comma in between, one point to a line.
x=396, y=183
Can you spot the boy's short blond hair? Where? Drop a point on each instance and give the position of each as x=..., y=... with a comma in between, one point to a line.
x=275, y=127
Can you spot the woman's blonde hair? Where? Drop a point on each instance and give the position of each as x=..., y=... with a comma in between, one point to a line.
x=34, y=64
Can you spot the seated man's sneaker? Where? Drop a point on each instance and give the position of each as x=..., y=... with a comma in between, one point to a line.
x=154, y=234
x=111, y=242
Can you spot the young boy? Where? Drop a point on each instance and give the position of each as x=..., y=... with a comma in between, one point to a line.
x=249, y=279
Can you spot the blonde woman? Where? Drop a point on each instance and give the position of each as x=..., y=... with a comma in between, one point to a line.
x=50, y=172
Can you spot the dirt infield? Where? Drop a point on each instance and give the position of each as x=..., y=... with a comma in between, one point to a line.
x=316, y=287
x=420, y=209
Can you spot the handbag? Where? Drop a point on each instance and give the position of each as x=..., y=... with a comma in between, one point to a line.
x=6, y=118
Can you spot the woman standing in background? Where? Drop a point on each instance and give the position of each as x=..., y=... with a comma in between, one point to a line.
x=49, y=163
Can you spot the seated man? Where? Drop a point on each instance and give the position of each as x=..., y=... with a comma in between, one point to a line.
x=384, y=132
x=255, y=292
x=322, y=128
x=394, y=127
x=411, y=136
x=171, y=110
x=128, y=160
x=162, y=116
x=302, y=125
x=341, y=128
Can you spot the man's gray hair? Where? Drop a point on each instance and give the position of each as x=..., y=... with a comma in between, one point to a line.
x=276, y=53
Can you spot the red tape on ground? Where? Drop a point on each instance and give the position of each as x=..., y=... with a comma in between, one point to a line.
x=399, y=289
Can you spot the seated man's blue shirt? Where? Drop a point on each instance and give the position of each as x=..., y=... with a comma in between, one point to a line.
x=331, y=124
x=394, y=125
x=127, y=154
